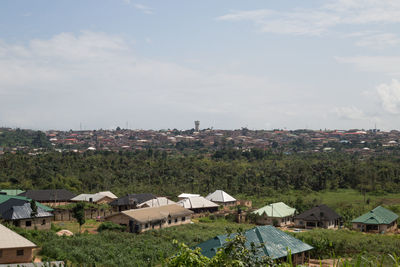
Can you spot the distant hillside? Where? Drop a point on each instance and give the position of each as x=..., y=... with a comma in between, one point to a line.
x=26, y=138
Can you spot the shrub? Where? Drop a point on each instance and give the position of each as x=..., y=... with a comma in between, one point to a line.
x=111, y=227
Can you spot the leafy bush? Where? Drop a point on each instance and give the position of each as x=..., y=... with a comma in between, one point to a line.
x=111, y=227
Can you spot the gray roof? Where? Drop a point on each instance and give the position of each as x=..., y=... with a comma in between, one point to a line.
x=21, y=211
x=10, y=239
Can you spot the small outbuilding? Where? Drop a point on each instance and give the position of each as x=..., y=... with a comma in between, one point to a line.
x=268, y=241
x=98, y=198
x=376, y=221
x=198, y=204
x=277, y=214
x=14, y=248
x=130, y=201
x=222, y=198
x=140, y=220
x=320, y=216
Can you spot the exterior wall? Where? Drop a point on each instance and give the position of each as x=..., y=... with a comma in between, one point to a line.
x=10, y=255
x=105, y=200
x=55, y=204
x=298, y=258
x=201, y=210
x=375, y=228
x=66, y=215
x=35, y=223
x=247, y=203
x=265, y=220
x=123, y=220
x=166, y=223
x=314, y=224
x=226, y=204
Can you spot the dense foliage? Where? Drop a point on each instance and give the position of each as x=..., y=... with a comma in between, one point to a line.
x=159, y=173
x=23, y=138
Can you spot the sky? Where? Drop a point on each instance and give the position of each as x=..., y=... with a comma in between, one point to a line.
x=260, y=64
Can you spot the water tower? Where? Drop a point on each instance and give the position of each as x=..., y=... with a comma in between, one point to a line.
x=196, y=126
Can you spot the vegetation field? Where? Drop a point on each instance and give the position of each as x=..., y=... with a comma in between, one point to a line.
x=111, y=248
x=346, y=243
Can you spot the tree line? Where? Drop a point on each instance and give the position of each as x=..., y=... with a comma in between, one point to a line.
x=169, y=174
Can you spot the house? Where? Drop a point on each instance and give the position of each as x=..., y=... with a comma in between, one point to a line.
x=50, y=197
x=268, y=241
x=14, y=248
x=377, y=220
x=221, y=198
x=187, y=195
x=156, y=202
x=130, y=201
x=19, y=213
x=198, y=204
x=98, y=198
x=277, y=214
x=320, y=216
x=140, y=220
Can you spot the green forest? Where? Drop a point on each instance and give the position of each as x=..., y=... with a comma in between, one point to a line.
x=169, y=174
x=23, y=138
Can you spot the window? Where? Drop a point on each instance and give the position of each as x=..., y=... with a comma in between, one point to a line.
x=28, y=223
x=44, y=222
x=183, y=219
x=169, y=221
x=176, y=220
x=20, y=252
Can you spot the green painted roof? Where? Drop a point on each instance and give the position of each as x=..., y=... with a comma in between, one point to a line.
x=275, y=243
x=379, y=215
x=4, y=198
x=12, y=192
x=278, y=210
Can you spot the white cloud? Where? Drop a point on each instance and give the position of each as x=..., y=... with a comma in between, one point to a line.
x=349, y=113
x=97, y=78
x=145, y=9
x=379, y=41
x=318, y=20
x=380, y=64
x=389, y=95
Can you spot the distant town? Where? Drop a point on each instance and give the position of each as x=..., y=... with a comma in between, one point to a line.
x=206, y=140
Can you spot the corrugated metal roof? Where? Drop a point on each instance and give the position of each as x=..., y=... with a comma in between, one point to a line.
x=272, y=242
x=379, y=215
x=4, y=198
x=278, y=210
x=157, y=213
x=220, y=196
x=10, y=239
x=12, y=192
x=16, y=209
x=319, y=213
x=196, y=203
